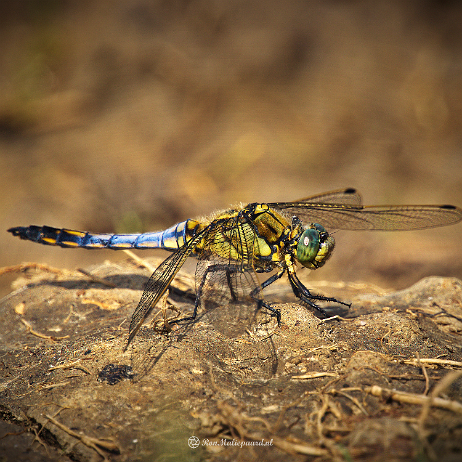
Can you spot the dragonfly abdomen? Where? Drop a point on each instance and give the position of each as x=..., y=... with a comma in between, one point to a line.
x=170, y=239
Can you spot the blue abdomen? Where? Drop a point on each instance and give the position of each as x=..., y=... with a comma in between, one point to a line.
x=170, y=239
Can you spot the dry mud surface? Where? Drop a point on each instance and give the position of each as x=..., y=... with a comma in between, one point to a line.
x=382, y=382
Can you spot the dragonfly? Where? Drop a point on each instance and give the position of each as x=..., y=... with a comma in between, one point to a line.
x=233, y=245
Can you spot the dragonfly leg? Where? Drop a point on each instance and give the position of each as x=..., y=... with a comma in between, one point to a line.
x=273, y=278
x=210, y=269
x=273, y=311
x=306, y=296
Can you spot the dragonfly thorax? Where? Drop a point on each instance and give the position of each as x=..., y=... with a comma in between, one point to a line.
x=314, y=246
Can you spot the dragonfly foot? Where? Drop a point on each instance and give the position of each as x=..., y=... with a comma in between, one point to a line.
x=273, y=312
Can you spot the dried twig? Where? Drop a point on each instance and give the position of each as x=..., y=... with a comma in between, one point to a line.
x=163, y=324
x=424, y=370
x=314, y=375
x=96, y=278
x=333, y=318
x=93, y=443
x=444, y=383
x=413, y=398
x=436, y=361
x=299, y=447
x=351, y=398
x=102, y=305
x=39, y=335
x=72, y=365
x=54, y=385
x=236, y=420
x=139, y=260
x=25, y=266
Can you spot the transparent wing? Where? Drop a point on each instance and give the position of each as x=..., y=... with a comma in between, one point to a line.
x=157, y=285
x=347, y=196
x=343, y=210
x=228, y=296
x=228, y=290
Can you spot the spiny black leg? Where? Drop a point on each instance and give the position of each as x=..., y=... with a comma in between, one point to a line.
x=306, y=296
x=273, y=311
x=272, y=279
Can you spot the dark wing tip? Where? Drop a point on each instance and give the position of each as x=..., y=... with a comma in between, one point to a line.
x=350, y=191
x=454, y=211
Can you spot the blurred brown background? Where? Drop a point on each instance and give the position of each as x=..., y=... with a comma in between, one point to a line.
x=131, y=115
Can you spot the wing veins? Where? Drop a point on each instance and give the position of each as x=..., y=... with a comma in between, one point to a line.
x=347, y=196
x=158, y=284
x=380, y=218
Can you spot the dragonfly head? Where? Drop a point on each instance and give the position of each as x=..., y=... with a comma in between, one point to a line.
x=314, y=246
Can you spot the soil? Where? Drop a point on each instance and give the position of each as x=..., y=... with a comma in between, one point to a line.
x=380, y=381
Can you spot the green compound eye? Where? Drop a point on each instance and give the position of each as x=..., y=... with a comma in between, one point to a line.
x=308, y=246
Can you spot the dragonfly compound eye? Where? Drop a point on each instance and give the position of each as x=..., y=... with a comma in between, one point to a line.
x=314, y=247
x=308, y=246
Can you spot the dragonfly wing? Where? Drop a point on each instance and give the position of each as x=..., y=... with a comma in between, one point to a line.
x=228, y=290
x=228, y=295
x=347, y=196
x=157, y=285
x=379, y=218
x=402, y=218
